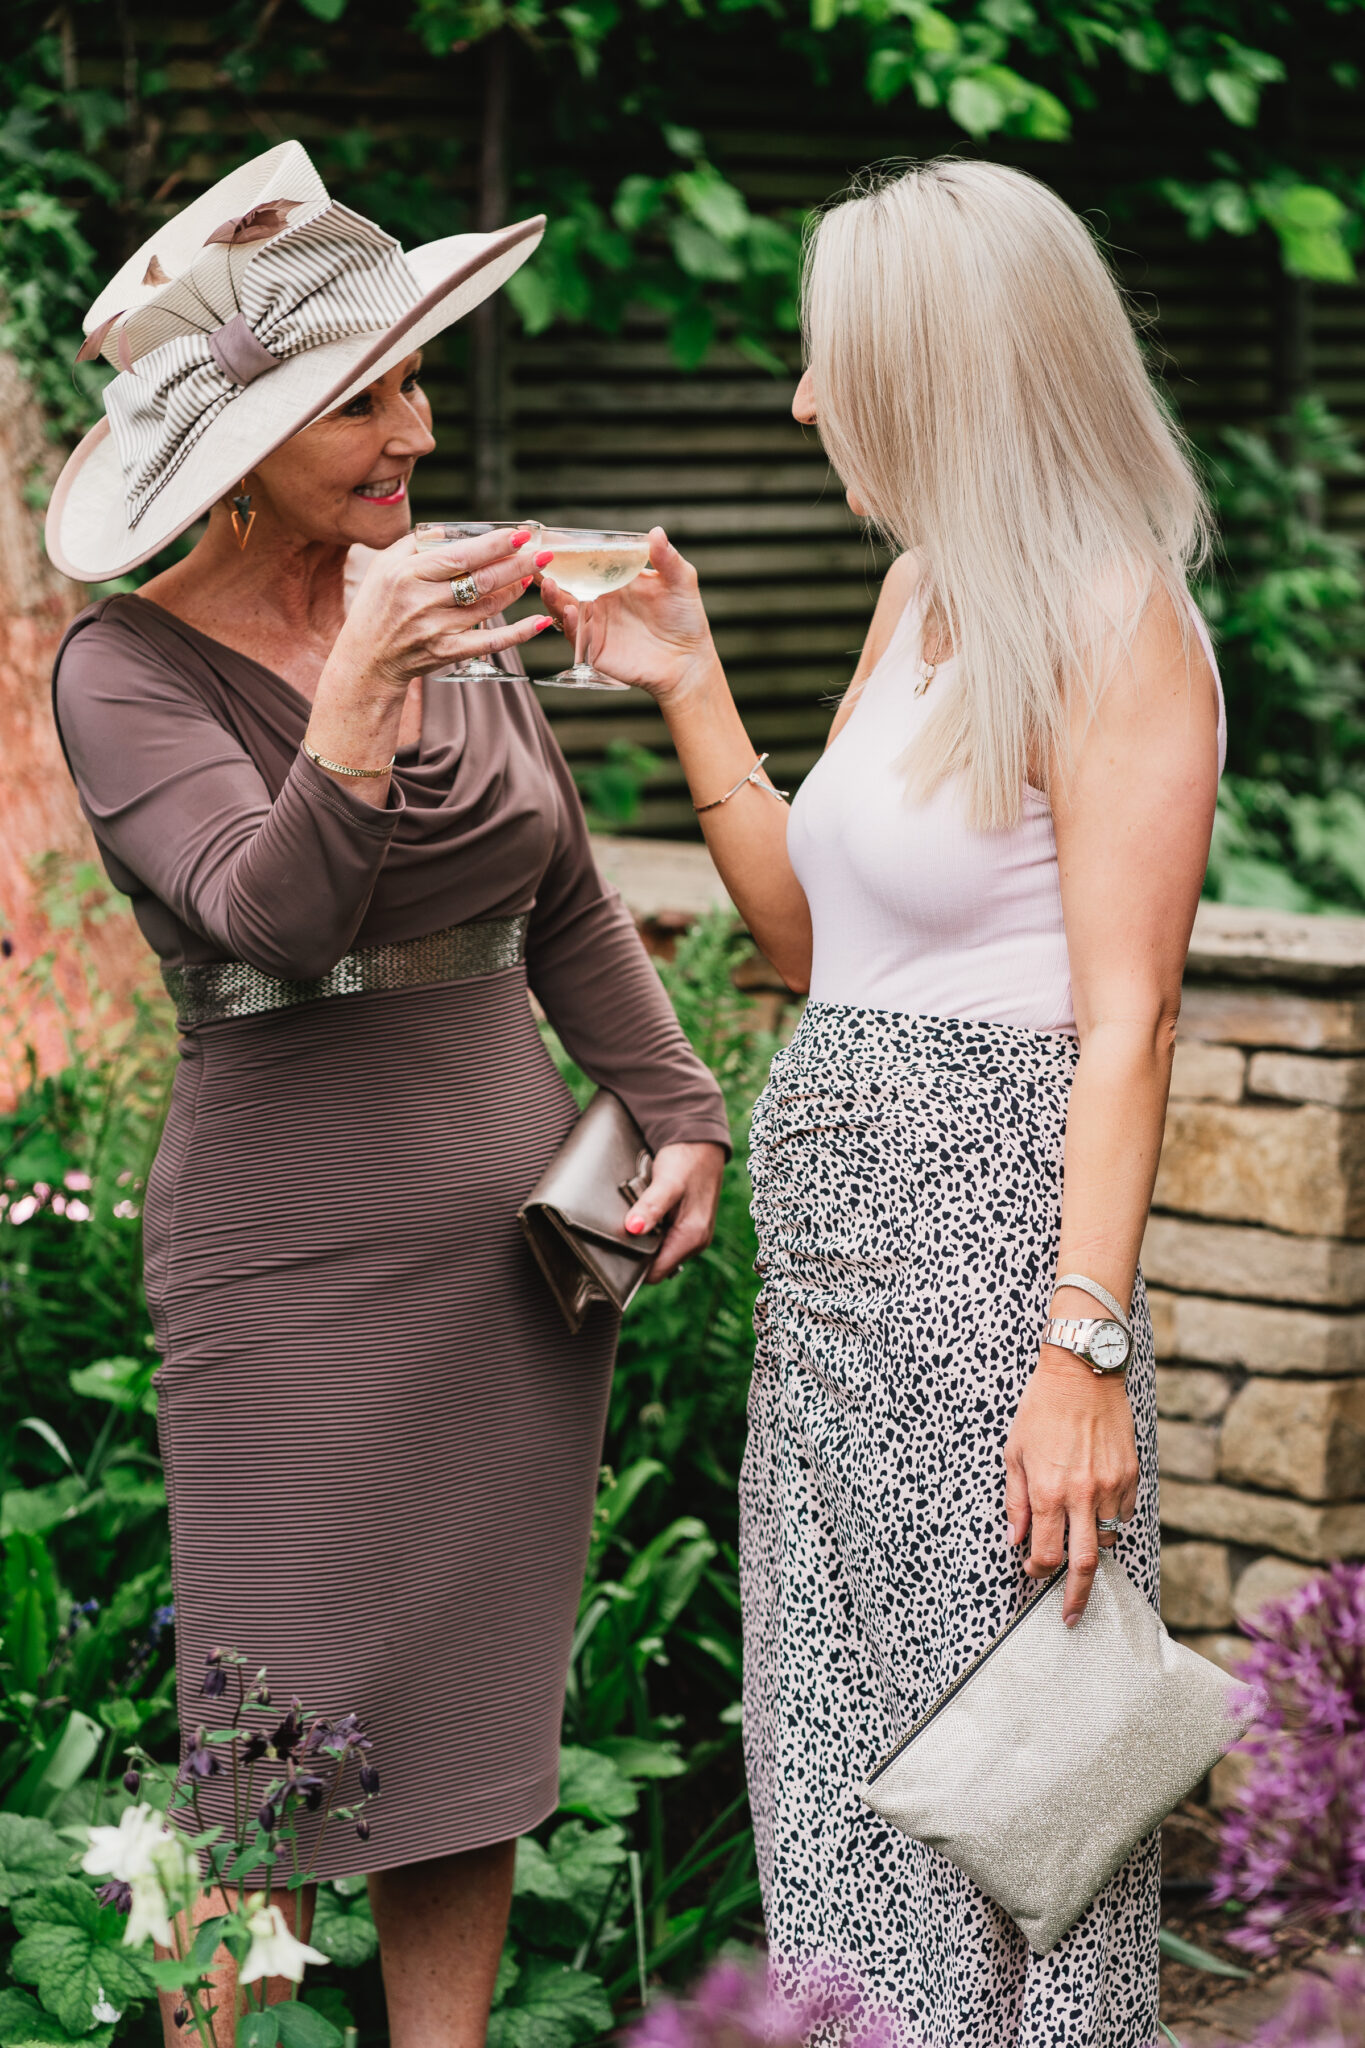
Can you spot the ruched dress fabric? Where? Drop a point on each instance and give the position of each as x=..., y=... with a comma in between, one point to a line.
x=907, y=1167
x=381, y=1442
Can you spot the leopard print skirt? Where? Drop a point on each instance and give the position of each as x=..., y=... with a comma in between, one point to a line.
x=907, y=1191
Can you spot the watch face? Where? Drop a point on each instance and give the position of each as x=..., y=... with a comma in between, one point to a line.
x=1109, y=1346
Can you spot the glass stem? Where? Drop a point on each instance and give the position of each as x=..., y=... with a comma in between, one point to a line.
x=581, y=636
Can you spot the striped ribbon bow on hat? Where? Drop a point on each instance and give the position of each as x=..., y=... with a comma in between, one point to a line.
x=244, y=306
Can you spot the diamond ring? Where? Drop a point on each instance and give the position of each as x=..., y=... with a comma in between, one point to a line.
x=1110, y=1524
x=464, y=590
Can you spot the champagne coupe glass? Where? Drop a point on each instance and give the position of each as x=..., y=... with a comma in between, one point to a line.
x=589, y=562
x=438, y=533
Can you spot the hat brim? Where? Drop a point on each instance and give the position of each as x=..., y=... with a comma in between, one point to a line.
x=88, y=534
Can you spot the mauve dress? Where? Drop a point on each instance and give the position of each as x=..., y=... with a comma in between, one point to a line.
x=381, y=1443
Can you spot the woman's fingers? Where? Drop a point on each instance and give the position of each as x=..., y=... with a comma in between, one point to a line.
x=458, y=646
x=470, y=557
x=1048, y=1548
x=1017, y=1511
x=1083, y=1560
x=683, y=1193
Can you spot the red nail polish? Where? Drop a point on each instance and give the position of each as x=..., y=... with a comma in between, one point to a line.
x=541, y=624
x=543, y=561
x=520, y=538
x=526, y=582
x=634, y=1225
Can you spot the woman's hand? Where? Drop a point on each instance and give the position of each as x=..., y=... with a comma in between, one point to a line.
x=404, y=621
x=684, y=1187
x=654, y=632
x=1071, y=1459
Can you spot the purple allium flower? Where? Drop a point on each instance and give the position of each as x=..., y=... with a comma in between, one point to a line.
x=743, y=2003
x=116, y=1893
x=1323, y=2012
x=1293, y=1845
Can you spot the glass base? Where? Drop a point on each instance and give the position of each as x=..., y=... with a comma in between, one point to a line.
x=582, y=676
x=476, y=670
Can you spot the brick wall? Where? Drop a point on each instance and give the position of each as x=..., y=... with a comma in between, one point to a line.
x=1254, y=1256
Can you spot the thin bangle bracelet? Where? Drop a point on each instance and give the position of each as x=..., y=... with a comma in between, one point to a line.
x=340, y=768
x=1100, y=1294
x=753, y=776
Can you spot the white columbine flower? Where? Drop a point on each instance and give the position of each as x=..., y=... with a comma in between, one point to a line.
x=148, y=1916
x=103, y=2012
x=274, y=1952
x=125, y=1852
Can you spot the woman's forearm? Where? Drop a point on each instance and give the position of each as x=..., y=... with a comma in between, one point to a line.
x=747, y=836
x=1113, y=1145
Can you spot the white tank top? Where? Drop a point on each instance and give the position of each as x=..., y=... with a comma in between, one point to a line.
x=913, y=909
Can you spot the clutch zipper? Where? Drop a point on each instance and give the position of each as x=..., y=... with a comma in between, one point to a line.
x=983, y=1656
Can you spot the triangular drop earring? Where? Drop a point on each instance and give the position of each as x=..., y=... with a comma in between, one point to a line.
x=243, y=518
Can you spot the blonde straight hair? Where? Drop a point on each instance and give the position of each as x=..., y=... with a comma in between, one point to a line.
x=982, y=394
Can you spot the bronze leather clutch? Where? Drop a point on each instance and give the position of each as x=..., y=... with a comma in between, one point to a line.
x=574, y=1217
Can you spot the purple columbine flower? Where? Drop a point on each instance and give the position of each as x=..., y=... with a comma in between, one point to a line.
x=132, y=1782
x=116, y=1893
x=285, y=1739
x=362, y=1828
x=215, y=1678
x=369, y=1778
x=199, y=1760
x=268, y=1816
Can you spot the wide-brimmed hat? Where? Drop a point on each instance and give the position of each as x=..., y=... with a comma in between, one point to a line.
x=258, y=308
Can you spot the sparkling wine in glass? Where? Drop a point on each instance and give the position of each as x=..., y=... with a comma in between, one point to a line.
x=438, y=533
x=589, y=563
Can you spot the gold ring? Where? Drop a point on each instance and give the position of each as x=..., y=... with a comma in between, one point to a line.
x=464, y=590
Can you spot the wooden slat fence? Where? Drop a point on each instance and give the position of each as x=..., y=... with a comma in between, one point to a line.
x=609, y=431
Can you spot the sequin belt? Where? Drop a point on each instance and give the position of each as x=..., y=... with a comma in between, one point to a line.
x=223, y=989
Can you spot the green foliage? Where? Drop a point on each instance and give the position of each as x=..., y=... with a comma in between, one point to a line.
x=611, y=788
x=642, y=209
x=1286, y=600
x=71, y=1948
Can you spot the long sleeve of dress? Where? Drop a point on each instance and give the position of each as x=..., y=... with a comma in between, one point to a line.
x=281, y=882
x=602, y=993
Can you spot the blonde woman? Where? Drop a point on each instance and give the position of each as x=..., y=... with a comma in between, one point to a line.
x=987, y=885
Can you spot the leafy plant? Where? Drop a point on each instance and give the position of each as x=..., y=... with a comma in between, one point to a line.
x=642, y=206
x=1286, y=600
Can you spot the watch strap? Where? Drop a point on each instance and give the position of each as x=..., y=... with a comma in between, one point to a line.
x=1100, y=1294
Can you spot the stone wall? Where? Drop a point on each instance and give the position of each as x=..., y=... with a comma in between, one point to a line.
x=1255, y=1263
x=1254, y=1256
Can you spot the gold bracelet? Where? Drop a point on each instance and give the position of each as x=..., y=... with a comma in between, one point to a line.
x=340, y=768
x=752, y=776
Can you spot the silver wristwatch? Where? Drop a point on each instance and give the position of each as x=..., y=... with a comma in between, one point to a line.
x=1104, y=1342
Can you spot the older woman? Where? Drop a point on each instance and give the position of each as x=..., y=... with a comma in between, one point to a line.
x=987, y=884
x=380, y=1441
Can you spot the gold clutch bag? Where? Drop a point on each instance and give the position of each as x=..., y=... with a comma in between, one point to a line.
x=574, y=1217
